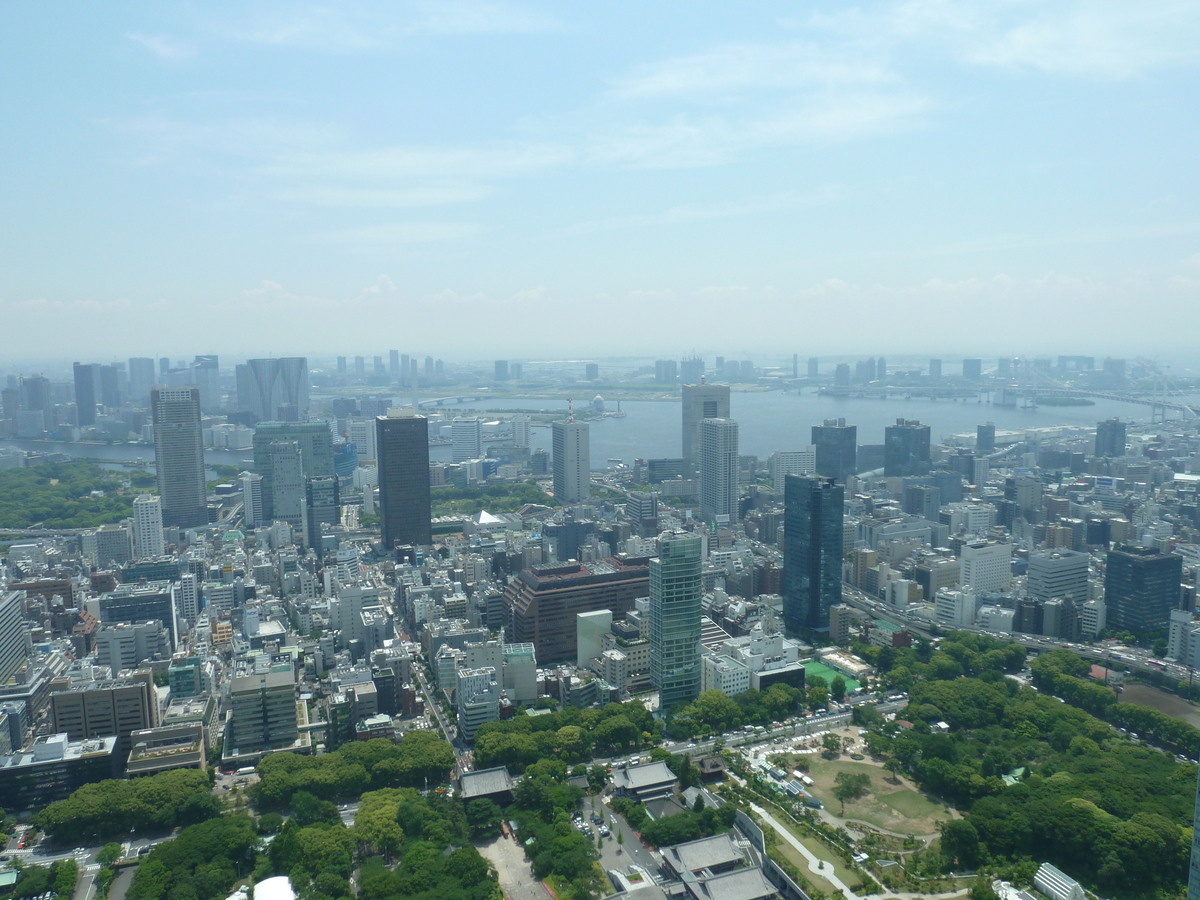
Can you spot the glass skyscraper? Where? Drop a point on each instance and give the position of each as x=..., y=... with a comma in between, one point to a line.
x=179, y=456
x=402, y=442
x=812, y=551
x=675, y=591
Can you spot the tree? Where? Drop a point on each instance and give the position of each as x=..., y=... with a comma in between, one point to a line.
x=848, y=786
x=960, y=842
x=894, y=766
x=620, y=839
x=832, y=745
x=484, y=817
x=837, y=688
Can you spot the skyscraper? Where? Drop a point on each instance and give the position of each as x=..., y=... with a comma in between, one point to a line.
x=315, y=441
x=179, y=455
x=267, y=386
x=906, y=448
x=520, y=431
x=1058, y=573
x=402, y=443
x=972, y=369
x=836, y=445
x=719, y=469
x=87, y=380
x=812, y=551
x=985, y=439
x=700, y=402
x=1141, y=587
x=676, y=587
x=14, y=638
x=572, y=461
x=321, y=507
x=141, y=378
x=147, y=527
x=466, y=433
x=1110, y=438
x=287, y=483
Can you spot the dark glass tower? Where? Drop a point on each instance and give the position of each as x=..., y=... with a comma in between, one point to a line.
x=1110, y=438
x=402, y=443
x=1141, y=587
x=87, y=378
x=812, y=551
x=836, y=444
x=676, y=588
x=906, y=449
x=179, y=455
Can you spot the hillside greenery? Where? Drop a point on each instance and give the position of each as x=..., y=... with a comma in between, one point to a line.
x=59, y=495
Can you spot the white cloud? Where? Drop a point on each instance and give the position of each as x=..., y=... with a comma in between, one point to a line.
x=162, y=46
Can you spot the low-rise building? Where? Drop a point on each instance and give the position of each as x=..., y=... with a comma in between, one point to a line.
x=53, y=768
x=650, y=781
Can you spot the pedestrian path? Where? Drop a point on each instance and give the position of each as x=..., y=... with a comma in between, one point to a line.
x=814, y=862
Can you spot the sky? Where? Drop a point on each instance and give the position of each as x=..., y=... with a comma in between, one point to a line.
x=522, y=180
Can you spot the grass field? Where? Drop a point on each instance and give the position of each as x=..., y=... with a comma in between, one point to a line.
x=894, y=807
x=792, y=855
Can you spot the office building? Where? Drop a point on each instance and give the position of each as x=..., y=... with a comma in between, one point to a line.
x=252, y=499
x=148, y=540
x=128, y=644
x=287, y=483
x=520, y=431
x=812, y=551
x=87, y=384
x=141, y=378
x=402, y=442
x=691, y=370
x=985, y=439
x=477, y=699
x=263, y=712
x=107, y=546
x=1058, y=573
x=1110, y=438
x=676, y=588
x=179, y=455
x=542, y=603
x=274, y=389
x=719, y=470
x=394, y=364
x=790, y=462
x=140, y=603
x=15, y=645
x=665, y=371
x=52, y=769
x=187, y=596
x=700, y=402
x=98, y=709
x=361, y=432
x=315, y=441
x=322, y=506
x=935, y=369
x=572, y=461
x=923, y=500
x=836, y=447
x=906, y=448
x=590, y=628
x=986, y=566
x=519, y=673
x=205, y=373
x=972, y=369
x=1141, y=587
x=502, y=370
x=466, y=433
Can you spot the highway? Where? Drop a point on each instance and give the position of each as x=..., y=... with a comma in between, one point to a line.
x=1132, y=657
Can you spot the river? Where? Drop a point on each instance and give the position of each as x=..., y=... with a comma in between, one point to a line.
x=769, y=421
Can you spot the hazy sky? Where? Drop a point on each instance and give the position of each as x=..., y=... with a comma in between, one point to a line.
x=506, y=179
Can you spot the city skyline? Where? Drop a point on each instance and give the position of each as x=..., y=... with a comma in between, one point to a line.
x=288, y=166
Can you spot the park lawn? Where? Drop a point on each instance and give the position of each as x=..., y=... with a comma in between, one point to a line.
x=894, y=807
x=817, y=848
x=792, y=855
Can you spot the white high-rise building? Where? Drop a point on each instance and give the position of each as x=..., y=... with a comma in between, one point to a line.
x=252, y=499
x=986, y=566
x=478, y=695
x=520, y=673
x=1058, y=573
x=791, y=462
x=520, y=431
x=466, y=432
x=148, y=527
x=572, y=461
x=362, y=434
x=955, y=609
x=719, y=468
x=187, y=597
x=287, y=487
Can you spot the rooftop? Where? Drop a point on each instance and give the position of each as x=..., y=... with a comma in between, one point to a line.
x=485, y=782
x=645, y=776
x=740, y=884
x=705, y=853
